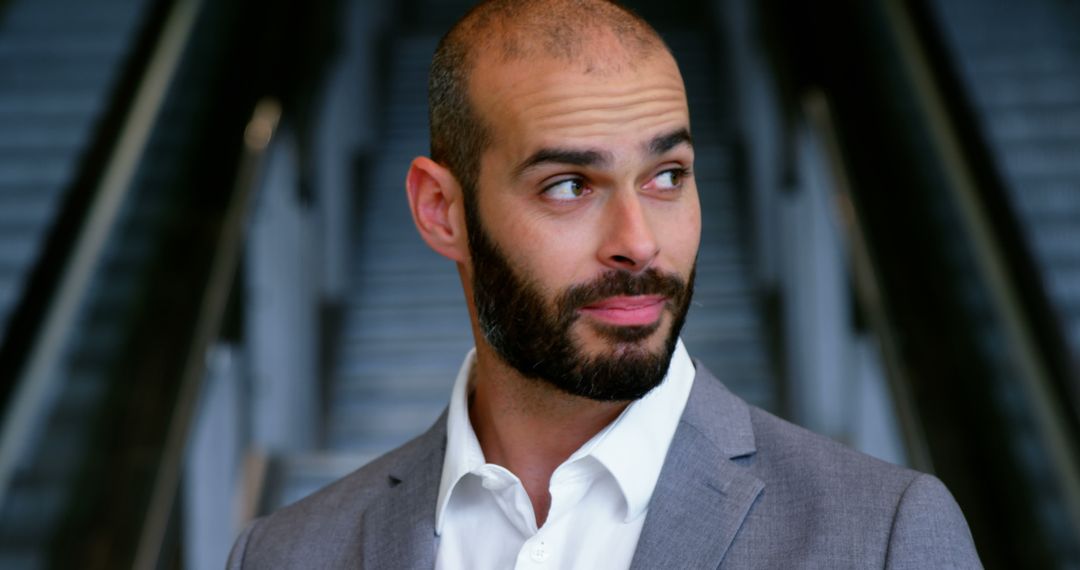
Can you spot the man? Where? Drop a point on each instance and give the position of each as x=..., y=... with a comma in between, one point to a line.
x=580, y=434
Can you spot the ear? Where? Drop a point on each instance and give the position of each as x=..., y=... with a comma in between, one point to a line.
x=435, y=202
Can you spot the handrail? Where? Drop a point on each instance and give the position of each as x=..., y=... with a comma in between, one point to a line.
x=40, y=372
x=258, y=136
x=989, y=197
x=966, y=333
x=40, y=285
x=1053, y=421
x=868, y=286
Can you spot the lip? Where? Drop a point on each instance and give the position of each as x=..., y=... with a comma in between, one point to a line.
x=627, y=311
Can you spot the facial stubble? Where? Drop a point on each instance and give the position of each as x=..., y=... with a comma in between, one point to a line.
x=535, y=338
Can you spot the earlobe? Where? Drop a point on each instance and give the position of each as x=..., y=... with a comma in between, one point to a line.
x=434, y=197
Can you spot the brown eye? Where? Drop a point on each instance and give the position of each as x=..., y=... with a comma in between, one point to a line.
x=566, y=190
x=669, y=179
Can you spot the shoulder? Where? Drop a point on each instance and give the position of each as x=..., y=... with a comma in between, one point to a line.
x=786, y=454
x=823, y=500
x=900, y=516
x=781, y=453
x=788, y=458
x=844, y=505
x=929, y=530
x=324, y=528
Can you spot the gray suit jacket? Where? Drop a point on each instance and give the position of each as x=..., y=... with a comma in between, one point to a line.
x=739, y=489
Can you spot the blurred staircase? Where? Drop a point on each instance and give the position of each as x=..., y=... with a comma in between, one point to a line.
x=59, y=62
x=1020, y=62
x=406, y=329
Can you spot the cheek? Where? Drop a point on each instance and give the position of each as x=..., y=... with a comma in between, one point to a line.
x=536, y=247
x=530, y=237
x=691, y=238
x=679, y=232
x=553, y=255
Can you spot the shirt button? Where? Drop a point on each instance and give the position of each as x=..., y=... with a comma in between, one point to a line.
x=540, y=553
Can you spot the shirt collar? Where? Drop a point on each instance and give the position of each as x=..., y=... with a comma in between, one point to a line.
x=637, y=444
x=632, y=448
x=463, y=453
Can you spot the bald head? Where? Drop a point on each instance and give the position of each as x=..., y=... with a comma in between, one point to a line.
x=596, y=35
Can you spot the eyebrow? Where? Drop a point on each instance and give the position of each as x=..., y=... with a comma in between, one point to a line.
x=663, y=143
x=563, y=156
x=590, y=157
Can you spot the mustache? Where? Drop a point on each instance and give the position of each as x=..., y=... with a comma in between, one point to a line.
x=616, y=283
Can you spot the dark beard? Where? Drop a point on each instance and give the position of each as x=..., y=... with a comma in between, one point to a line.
x=536, y=340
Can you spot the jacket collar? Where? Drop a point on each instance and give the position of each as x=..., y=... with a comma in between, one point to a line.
x=698, y=505
x=398, y=529
x=702, y=497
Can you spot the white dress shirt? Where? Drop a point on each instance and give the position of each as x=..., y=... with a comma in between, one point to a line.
x=599, y=495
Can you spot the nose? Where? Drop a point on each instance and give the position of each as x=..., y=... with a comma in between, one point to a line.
x=629, y=242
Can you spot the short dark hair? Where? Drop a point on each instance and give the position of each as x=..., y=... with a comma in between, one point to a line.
x=512, y=29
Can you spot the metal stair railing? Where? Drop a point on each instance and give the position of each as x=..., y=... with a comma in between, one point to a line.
x=211, y=314
x=991, y=203
x=866, y=282
x=937, y=270
x=31, y=380
x=188, y=101
x=1044, y=378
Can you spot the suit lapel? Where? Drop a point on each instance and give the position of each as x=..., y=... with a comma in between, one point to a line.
x=702, y=497
x=398, y=530
x=699, y=504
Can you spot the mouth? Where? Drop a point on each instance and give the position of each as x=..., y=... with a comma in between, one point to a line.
x=638, y=310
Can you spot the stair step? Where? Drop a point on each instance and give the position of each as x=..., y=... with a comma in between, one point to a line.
x=1021, y=61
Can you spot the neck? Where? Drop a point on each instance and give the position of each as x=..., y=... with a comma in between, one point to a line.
x=530, y=427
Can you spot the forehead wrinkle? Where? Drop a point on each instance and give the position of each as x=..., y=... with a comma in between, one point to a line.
x=549, y=90
x=589, y=124
x=591, y=98
x=559, y=110
x=601, y=103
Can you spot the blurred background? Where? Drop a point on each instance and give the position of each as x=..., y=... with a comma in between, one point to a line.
x=213, y=301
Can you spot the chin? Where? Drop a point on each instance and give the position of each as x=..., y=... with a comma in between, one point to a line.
x=606, y=341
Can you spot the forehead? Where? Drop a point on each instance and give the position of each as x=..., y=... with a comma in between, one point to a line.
x=527, y=104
